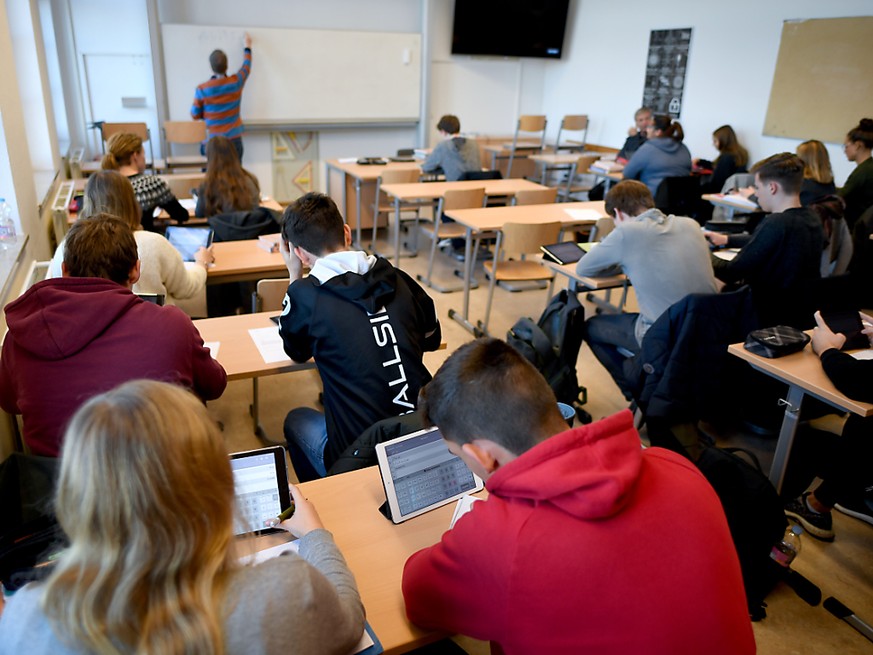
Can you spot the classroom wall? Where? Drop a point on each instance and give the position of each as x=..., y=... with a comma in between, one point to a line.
x=731, y=62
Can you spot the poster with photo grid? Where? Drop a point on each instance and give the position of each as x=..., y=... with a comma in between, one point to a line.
x=665, y=70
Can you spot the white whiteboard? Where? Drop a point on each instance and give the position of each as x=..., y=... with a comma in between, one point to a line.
x=301, y=75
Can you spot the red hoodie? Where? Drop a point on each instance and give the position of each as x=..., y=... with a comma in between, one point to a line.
x=72, y=338
x=588, y=544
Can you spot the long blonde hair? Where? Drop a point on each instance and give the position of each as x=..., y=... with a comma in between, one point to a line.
x=146, y=496
x=120, y=147
x=816, y=162
x=110, y=192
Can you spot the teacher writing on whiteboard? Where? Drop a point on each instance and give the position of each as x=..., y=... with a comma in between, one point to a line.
x=217, y=100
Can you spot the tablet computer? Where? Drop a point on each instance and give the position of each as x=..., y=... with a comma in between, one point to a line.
x=188, y=240
x=260, y=479
x=566, y=252
x=420, y=474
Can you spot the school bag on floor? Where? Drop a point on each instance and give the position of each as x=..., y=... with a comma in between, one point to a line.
x=552, y=346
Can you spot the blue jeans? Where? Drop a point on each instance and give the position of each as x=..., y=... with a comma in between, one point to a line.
x=605, y=334
x=306, y=434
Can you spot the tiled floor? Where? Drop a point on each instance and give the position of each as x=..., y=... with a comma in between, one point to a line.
x=843, y=569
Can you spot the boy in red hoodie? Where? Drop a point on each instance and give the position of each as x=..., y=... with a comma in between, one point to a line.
x=586, y=543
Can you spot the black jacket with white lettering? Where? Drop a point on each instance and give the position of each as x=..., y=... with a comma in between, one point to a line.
x=367, y=334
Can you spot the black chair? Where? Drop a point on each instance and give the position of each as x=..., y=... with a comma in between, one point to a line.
x=241, y=225
x=679, y=196
x=482, y=175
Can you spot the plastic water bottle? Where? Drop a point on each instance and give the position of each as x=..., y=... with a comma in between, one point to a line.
x=7, y=225
x=786, y=550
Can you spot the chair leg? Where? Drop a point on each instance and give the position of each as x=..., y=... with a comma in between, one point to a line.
x=483, y=325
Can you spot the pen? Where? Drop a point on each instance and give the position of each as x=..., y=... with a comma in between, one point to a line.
x=284, y=516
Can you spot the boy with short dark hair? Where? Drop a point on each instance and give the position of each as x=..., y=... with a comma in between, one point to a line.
x=781, y=261
x=366, y=323
x=455, y=154
x=586, y=542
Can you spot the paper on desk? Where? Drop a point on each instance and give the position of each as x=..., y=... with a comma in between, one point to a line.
x=269, y=344
x=189, y=204
x=863, y=354
x=269, y=553
x=584, y=214
x=213, y=348
x=737, y=199
x=347, y=160
x=465, y=504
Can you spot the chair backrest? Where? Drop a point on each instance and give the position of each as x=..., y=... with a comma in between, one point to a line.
x=399, y=175
x=526, y=238
x=574, y=122
x=181, y=185
x=602, y=227
x=271, y=293
x=241, y=225
x=531, y=123
x=679, y=195
x=535, y=196
x=139, y=129
x=462, y=199
x=184, y=131
x=584, y=163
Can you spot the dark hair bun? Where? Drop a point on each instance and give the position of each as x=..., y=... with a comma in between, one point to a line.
x=866, y=124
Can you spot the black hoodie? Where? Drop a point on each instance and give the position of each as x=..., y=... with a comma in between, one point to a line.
x=368, y=334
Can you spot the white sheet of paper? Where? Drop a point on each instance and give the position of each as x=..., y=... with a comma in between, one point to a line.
x=737, y=199
x=364, y=644
x=863, y=354
x=269, y=553
x=728, y=254
x=465, y=504
x=188, y=203
x=213, y=348
x=269, y=344
x=347, y=160
x=584, y=214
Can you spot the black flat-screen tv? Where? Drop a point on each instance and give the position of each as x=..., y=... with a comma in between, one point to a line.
x=510, y=28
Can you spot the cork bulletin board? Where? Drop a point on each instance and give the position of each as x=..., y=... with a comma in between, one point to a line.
x=823, y=83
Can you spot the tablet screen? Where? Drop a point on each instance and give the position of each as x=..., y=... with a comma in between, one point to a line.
x=261, y=487
x=421, y=474
x=188, y=240
x=565, y=252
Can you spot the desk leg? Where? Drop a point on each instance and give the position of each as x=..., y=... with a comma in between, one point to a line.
x=786, y=435
x=358, y=242
x=464, y=318
x=397, y=232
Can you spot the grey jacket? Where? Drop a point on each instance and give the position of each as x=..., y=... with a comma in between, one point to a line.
x=454, y=157
x=665, y=257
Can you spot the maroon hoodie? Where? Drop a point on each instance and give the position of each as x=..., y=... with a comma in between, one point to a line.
x=588, y=544
x=72, y=338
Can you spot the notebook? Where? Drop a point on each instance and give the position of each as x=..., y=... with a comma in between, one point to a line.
x=188, y=240
x=260, y=479
x=420, y=474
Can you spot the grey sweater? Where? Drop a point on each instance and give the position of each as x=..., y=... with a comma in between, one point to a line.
x=306, y=604
x=453, y=157
x=665, y=257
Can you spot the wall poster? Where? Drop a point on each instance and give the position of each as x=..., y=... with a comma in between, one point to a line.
x=665, y=71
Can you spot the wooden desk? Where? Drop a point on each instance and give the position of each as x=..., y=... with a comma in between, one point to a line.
x=606, y=282
x=376, y=549
x=237, y=353
x=237, y=261
x=240, y=357
x=804, y=375
x=492, y=219
x=730, y=203
x=498, y=155
x=552, y=161
x=350, y=180
x=431, y=191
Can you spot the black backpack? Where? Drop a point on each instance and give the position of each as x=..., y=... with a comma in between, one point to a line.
x=755, y=516
x=552, y=345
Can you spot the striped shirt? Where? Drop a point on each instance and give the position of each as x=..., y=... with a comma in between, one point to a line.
x=217, y=101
